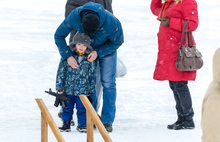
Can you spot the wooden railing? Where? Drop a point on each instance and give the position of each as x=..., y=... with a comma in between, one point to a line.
x=91, y=116
x=46, y=119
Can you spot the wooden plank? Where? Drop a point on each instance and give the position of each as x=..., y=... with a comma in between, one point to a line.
x=44, y=129
x=50, y=120
x=89, y=127
x=95, y=118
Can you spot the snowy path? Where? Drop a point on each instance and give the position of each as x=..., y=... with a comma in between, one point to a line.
x=29, y=60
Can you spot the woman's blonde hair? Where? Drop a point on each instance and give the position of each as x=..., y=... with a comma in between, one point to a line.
x=177, y=1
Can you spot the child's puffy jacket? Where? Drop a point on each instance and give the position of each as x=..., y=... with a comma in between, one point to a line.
x=79, y=81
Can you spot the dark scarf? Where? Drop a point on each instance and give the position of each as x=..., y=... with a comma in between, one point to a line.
x=163, y=11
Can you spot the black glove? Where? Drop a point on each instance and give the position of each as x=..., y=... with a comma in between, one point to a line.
x=60, y=92
x=165, y=21
x=89, y=94
x=90, y=99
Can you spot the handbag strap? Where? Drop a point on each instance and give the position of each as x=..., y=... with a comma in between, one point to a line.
x=188, y=35
x=191, y=39
x=185, y=28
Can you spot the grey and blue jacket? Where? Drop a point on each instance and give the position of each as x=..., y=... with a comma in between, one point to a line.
x=77, y=81
x=105, y=41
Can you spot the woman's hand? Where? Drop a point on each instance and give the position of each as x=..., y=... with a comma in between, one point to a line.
x=165, y=21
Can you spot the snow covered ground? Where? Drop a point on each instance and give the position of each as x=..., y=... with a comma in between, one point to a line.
x=29, y=60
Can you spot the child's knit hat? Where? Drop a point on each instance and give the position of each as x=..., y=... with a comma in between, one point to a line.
x=83, y=39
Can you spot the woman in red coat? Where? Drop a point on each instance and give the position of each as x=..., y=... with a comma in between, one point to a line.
x=172, y=14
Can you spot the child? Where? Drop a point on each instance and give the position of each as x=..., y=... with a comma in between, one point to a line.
x=76, y=81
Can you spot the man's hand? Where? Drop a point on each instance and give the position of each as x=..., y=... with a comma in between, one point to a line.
x=72, y=62
x=92, y=56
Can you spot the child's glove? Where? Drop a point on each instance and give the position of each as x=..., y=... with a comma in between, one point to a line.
x=60, y=91
x=90, y=99
x=165, y=21
x=89, y=94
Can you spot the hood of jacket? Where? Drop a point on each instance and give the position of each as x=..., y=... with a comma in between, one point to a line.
x=98, y=8
x=216, y=66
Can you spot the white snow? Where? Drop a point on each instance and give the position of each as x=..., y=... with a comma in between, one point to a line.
x=29, y=60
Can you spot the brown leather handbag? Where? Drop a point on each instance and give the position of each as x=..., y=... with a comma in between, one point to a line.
x=188, y=58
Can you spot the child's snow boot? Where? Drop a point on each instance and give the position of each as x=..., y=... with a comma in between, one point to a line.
x=65, y=127
x=81, y=129
x=60, y=116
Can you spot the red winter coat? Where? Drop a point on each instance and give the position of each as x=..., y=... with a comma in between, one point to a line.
x=169, y=38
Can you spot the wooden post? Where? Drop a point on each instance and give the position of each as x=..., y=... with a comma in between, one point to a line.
x=89, y=127
x=95, y=118
x=44, y=128
x=50, y=120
